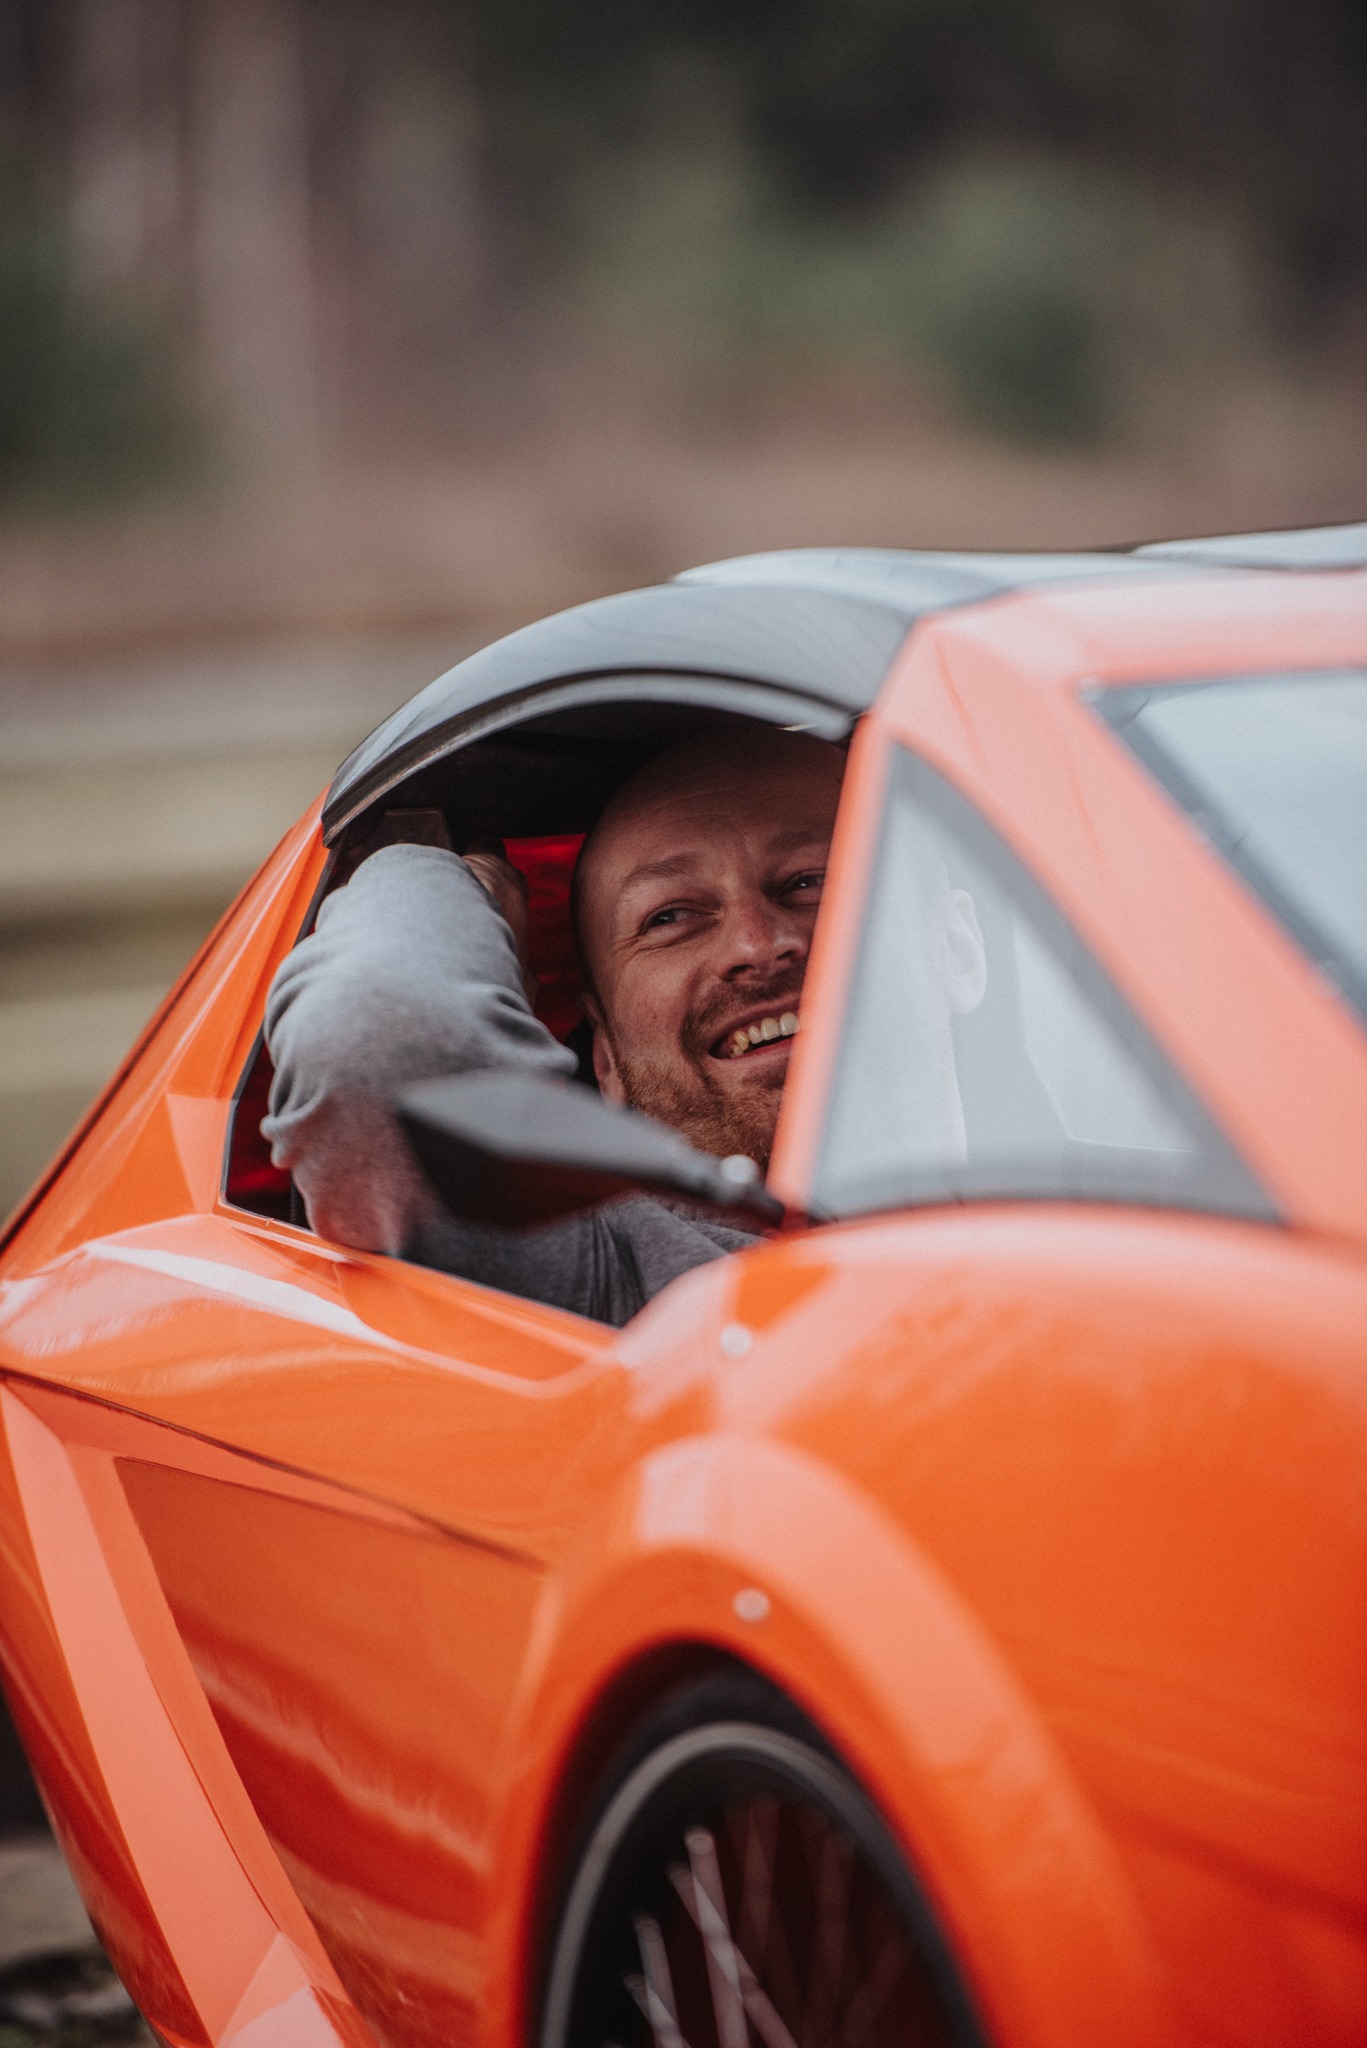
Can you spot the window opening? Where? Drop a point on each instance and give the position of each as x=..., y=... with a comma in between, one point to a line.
x=252, y=1180
x=547, y=867
x=254, y=1183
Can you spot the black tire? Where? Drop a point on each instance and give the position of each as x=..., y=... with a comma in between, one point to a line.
x=737, y=1889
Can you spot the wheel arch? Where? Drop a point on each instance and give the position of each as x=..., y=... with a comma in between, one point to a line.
x=862, y=1633
x=630, y=1698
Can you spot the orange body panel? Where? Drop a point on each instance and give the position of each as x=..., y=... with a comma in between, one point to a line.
x=318, y=1571
x=992, y=697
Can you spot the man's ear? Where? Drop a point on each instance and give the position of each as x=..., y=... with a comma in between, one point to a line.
x=604, y=1065
x=965, y=955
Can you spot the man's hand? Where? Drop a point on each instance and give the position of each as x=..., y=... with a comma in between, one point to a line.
x=497, y=876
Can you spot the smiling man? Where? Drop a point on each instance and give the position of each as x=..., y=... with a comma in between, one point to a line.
x=695, y=899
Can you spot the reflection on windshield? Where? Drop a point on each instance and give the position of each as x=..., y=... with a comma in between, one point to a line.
x=985, y=1052
x=1274, y=770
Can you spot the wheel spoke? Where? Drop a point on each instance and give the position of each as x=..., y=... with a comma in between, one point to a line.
x=757, y=1878
x=767, y=2021
x=723, y=1963
x=654, y=1990
x=737, y=1885
x=873, y=1994
x=761, y=1932
x=829, y=1940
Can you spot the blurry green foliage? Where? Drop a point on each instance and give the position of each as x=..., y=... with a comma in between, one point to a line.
x=859, y=122
x=1026, y=357
x=86, y=408
x=1262, y=102
x=1043, y=303
x=1051, y=211
x=1008, y=272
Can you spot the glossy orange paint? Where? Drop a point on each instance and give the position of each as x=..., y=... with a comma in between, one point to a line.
x=316, y=1569
x=993, y=697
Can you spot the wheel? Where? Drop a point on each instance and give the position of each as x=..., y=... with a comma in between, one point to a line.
x=738, y=1888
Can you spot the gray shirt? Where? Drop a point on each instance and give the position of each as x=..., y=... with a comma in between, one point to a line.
x=411, y=972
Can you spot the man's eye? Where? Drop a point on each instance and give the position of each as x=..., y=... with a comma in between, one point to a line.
x=658, y=919
x=807, y=883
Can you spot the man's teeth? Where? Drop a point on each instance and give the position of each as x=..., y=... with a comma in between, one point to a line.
x=746, y=1036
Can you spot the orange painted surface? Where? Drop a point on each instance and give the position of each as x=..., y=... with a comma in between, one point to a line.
x=314, y=1568
x=992, y=698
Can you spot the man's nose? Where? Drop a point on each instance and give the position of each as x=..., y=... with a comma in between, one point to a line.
x=759, y=937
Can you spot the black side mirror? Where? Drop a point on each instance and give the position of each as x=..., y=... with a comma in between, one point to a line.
x=520, y=1149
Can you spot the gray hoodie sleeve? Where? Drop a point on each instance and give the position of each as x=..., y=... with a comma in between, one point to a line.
x=411, y=972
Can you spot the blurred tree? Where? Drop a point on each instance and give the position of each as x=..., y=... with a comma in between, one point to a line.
x=1264, y=103
x=253, y=291
x=1248, y=110
x=90, y=405
x=86, y=402
x=288, y=189
x=349, y=216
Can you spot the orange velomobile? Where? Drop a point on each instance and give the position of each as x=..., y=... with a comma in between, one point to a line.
x=943, y=1622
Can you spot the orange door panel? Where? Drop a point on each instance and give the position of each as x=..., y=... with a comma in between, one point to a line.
x=346, y=1477
x=181, y=1881
x=360, y=1673
x=409, y=1386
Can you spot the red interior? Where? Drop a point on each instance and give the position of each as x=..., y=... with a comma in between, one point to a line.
x=548, y=865
x=253, y=1181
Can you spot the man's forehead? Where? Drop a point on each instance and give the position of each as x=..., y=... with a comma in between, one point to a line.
x=769, y=773
x=696, y=846
x=764, y=791
x=764, y=784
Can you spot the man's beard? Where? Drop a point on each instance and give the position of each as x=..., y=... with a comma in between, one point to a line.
x=693, y=1102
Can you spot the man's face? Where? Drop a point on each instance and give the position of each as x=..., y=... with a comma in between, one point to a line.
x=697, y=895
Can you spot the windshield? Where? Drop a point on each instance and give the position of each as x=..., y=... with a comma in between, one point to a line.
x=1273, y=769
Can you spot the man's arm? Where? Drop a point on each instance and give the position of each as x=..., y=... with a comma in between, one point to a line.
x=410, y=972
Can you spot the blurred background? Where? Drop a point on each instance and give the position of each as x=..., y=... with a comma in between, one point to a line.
x=339, y=335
